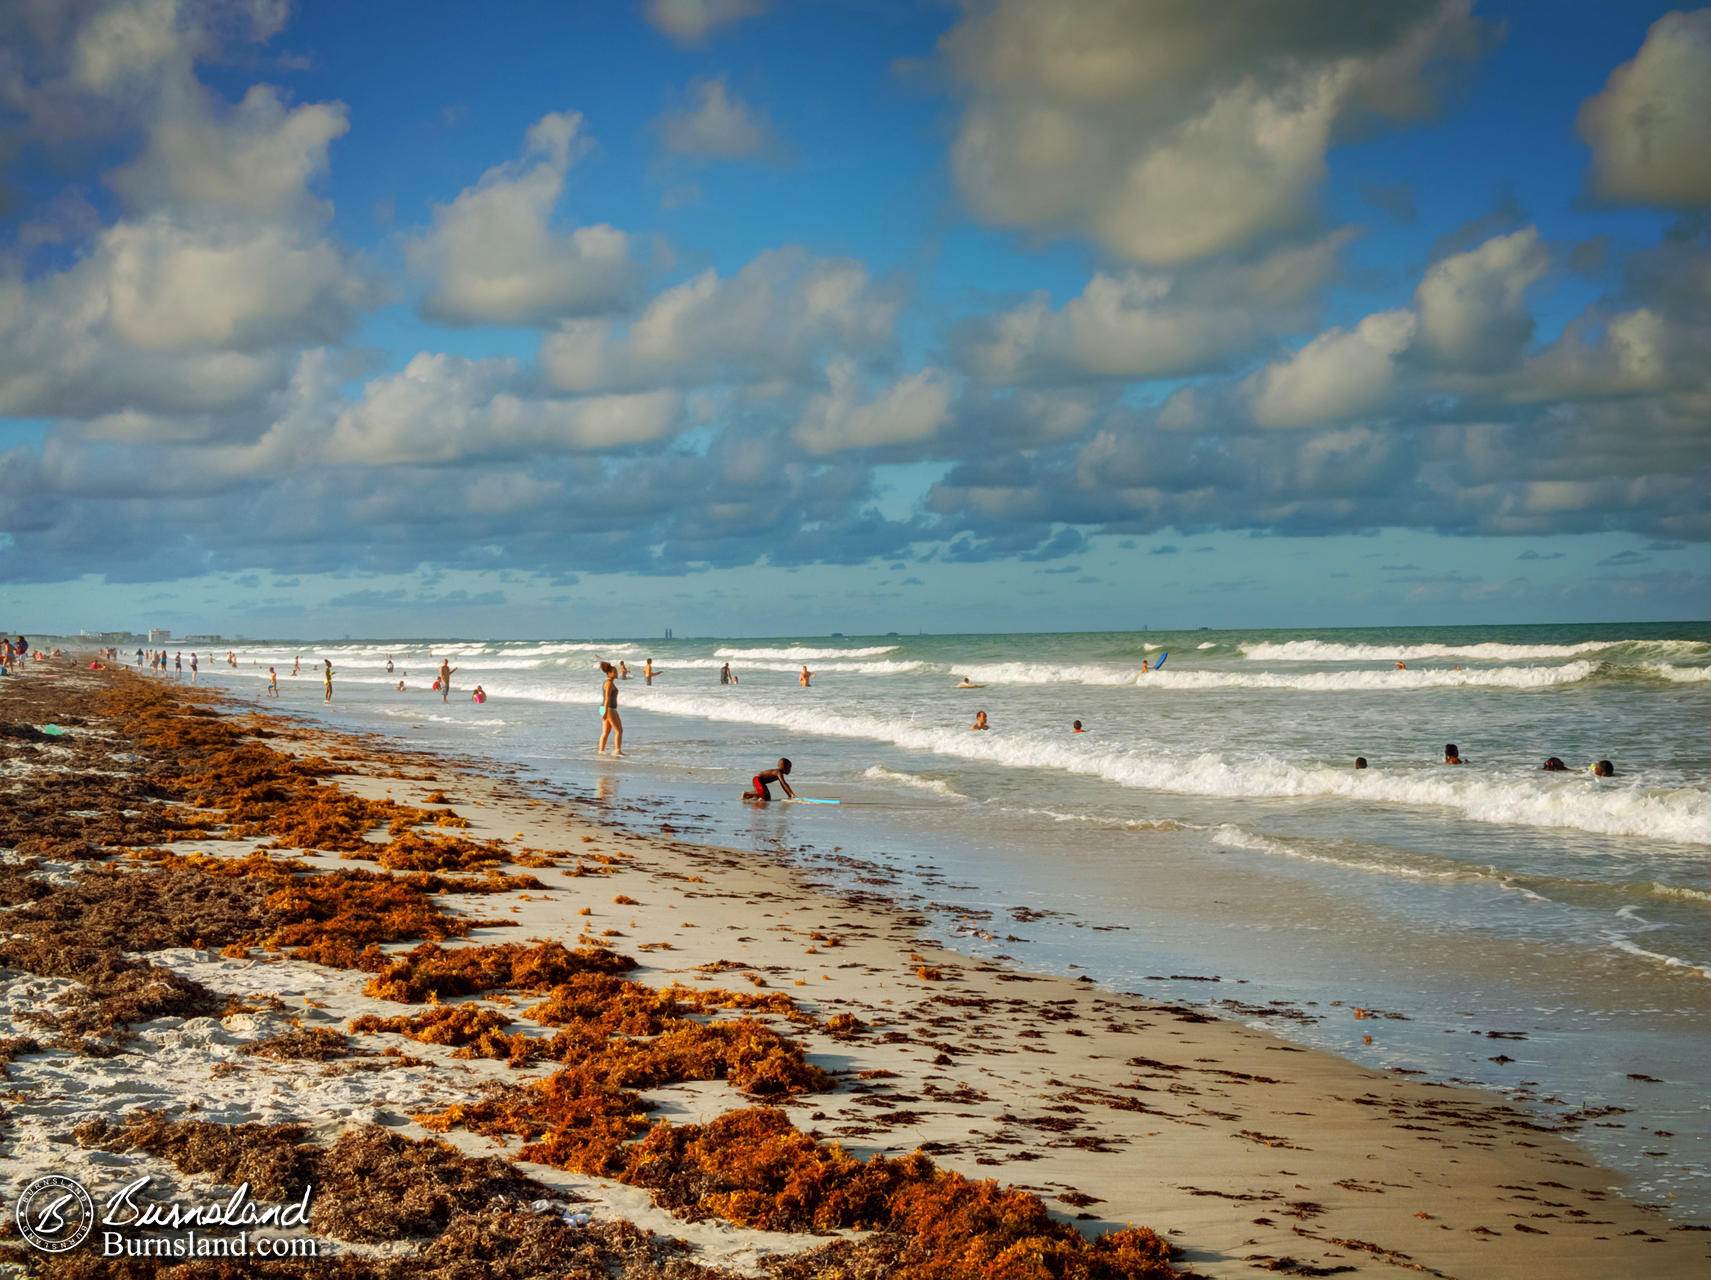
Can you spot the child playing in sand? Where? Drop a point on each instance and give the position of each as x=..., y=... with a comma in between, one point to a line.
x=766, y=778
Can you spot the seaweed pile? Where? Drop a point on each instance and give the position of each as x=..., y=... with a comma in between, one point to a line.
x=203, y=776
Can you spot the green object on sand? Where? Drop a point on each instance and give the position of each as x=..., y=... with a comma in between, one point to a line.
x=54, y=730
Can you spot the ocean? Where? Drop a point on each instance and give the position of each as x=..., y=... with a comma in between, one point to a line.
x=1207, y=837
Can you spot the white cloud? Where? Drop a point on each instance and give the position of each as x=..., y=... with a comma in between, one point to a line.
x=127, y=43
x=689, y=21
x=1167, y=133
x=493, y=258
x=1473, y=306
x=717, y=125
x=1650, y=129
x=1340, y=374
x=765, y=323
x=259, y=158
x=908, y=412
x=441, y=408
x=1138, y=324
x=158, y=317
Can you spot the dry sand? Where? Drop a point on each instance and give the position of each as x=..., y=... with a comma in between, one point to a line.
x=1250, y=1155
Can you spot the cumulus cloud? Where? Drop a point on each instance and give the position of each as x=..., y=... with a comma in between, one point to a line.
x=769, y=321
x=909, y=411
x=492, y=256
x=258, y=156
x=689, y=21
x=717, y=125
x=1472, y=306
x=1341, y=373
x=1650, y=129
x=1138, y=324
x=443, y=408
x=1167, y=134
x=196, y=299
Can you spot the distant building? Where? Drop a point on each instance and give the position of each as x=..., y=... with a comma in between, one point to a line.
x=158, y=634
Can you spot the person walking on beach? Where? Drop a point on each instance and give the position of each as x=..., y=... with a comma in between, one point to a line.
x=139, y=658
x=610, y=724
x=192, y=668
x=805, y=677
x=178, y=665
x=446, y=670
x=272, y=683
x=296, y=664
x=327, y=675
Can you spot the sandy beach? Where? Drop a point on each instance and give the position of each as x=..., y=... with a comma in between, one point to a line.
x=495, y=1032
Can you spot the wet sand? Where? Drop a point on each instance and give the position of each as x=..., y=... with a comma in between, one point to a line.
x=1247, y=1154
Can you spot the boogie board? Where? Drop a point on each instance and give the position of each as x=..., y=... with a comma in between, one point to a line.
x=811, y=800
x=1161, y=659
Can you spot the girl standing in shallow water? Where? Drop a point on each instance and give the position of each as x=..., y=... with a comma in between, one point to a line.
x=328, y=677
x=609, y=721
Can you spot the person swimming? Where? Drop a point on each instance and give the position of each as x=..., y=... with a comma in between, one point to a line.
x=1076, y=728
x=1360, y=762
x=480, y=694
x=766, y=777
x=1451, y=755
x=980, y=721
x=1604, y=769
x=1554, y=765
x=969, y=684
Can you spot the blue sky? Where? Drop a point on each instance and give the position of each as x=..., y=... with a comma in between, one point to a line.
x=765, y=316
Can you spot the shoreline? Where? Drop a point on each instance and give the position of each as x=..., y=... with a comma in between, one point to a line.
x=1246, y=1153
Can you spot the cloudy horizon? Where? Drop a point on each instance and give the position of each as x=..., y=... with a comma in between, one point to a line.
x=799, y=316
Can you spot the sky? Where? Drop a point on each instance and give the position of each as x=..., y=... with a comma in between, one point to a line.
x=761, y=317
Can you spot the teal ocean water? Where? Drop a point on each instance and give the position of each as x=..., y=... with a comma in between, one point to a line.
x=1207, y=837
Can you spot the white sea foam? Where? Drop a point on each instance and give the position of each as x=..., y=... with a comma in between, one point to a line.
x=1314, y=681
x=1681, y=675
x=879, y=773
x=1682, y=815
x=880, y=668
x=1657, y=957
x=801, y=653
x=1207, y=644
x=1491, y=651
x=1234, y=837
